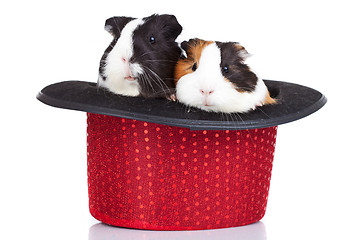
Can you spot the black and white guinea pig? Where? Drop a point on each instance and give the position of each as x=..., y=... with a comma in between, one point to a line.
x=140, y=60
x=214, y=77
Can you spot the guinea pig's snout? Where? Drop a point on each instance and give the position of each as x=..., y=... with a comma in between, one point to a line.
x=127, y=71
x=206, y=92
x=206, y=101
x=128, y=60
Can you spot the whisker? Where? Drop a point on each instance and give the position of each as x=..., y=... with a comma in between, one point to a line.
x=247, y=129
x=145, y=80
x=157, y=77
x=149, y=79
x=163, y=91
x=232, y=120
x=149, y=52
x=227, y=119
x=237, y=121
x=158, y=81
x=160, y=61
x=263, y=112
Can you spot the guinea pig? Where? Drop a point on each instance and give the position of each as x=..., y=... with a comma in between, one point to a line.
x=214, y=77
x=141, y=58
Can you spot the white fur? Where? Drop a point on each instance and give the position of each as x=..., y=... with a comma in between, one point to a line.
x=207, y=78
x=116, y=70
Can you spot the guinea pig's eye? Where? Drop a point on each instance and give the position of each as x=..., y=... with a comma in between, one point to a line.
x=194, y=67
x=152, y=39
x=226, y=69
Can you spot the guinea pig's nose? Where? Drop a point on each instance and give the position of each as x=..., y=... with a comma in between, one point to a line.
x=206, y=92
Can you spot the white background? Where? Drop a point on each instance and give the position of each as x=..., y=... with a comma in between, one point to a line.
x=314, y=191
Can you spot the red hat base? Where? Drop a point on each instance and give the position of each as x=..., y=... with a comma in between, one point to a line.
x=151, y=176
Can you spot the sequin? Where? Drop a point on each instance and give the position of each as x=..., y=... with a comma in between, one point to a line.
x=151, y=176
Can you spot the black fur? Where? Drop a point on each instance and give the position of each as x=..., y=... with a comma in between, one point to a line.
x=237, y=72
x=114, y=26
x=157, y=52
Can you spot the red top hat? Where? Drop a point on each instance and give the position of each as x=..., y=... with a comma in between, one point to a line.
x=154, y=164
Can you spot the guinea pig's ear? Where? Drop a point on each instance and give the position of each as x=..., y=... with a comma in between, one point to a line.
x=187, y=45
x=115, y=25
x=170, y=26
x=243, y=53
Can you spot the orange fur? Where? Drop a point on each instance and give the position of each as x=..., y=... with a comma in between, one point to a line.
x=184, y=66
x=194, y=49
x=269, y=100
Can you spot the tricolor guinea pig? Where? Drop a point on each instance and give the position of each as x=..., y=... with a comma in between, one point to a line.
x=141, y=58
x=214, y=77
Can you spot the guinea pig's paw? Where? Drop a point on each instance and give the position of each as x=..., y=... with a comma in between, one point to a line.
x=172, y=97
x=257, y=105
